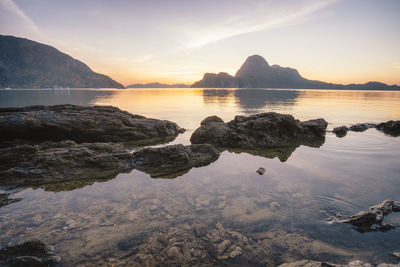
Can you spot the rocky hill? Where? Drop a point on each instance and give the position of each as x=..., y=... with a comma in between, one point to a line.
x=28, y=64
x=257, y=73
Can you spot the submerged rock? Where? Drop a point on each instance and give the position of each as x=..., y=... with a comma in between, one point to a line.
x=81, y=124
x=174, y=160
x=31, y=253
x=266, y=133
x=57, y=162
x=365, y=220
x=260, y=171
x=361, y=127
x=389, y=127
x=309, y=263
x=340, y=131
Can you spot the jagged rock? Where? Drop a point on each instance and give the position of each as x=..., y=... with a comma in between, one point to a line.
x=340, y=131
x=81, y=124
x=31, y=253
x=260, y=171
x=365, y=220
x=389, y=127
x=174, y=160
x=56, y=162
x=361, y=127
x=253, y=134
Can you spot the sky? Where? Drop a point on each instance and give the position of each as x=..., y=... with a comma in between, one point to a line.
x=177, y=41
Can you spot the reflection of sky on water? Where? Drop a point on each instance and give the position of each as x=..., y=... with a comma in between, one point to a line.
x=345, y=175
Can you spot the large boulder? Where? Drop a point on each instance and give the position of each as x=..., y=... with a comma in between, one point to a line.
x=50, y=163
x=81, y=124
x=265, y=130
x=174, y=160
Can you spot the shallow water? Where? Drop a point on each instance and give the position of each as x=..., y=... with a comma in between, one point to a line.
x=290, y=211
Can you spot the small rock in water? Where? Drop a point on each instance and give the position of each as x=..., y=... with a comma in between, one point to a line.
x=397, y=255
x=174, y=253
x=340, y=131
x=261, y=171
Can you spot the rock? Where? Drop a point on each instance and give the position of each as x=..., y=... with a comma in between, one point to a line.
x=174, y=160
x=31, y=253
x=364, y=220
x=397, y=255
x=361, y=127
x=223, y=246
x=340, y=131
x=199, y=230
x=389, y=127
x=265, y=130
x=260, y=171
x=174, y=253
x=308, y=263
x=4, y=200
x=81, y=124
x=60, y=162
x=236, y=252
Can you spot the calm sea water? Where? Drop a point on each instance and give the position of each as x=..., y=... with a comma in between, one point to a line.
x=290, y=207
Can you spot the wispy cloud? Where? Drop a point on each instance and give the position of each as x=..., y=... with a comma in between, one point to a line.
x=396, y=65
x=254, y=22
x=14, y=21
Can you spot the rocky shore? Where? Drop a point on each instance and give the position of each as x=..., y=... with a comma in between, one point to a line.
x=390, y=128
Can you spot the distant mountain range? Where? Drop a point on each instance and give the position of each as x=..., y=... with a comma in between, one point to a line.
x=28, y=64
x=257, y=73
x=158, y=85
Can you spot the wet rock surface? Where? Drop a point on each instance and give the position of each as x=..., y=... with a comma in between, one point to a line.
x=32, y=253
x=372, y=220
x=47, y=163
x=4, y=200
x=267, y=134
x=389, y=127
x=309, y=263
x=81, y=124
x=263, y=130
x=340, y=131
x=171, y=161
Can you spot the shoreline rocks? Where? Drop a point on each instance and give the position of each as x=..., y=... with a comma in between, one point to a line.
x=272, y=134
x=309, y=263
x=174, y=160
x=54, y=162
x=81, y=124
x=365, y=220
x=390, y=127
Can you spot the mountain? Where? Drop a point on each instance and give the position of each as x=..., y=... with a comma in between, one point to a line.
x=28, y=64
x=257, y=73
x=158, y=85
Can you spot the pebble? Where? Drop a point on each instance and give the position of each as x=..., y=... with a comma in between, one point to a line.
x=261, y=171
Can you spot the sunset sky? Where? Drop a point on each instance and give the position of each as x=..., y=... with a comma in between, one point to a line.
x=352, y=41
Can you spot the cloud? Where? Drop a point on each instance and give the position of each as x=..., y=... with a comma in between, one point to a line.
x=14, y=21
x=396, y=65
x=254, y=22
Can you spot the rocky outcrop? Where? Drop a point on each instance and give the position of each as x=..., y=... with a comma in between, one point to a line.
x=81, y=124
x=50, y=163
x=31, y=253
x=257, y=73
x=171, y=161
x=309, y=263
x=390, y=127
x=340, y=131
x=261, y=131
x=28, y=64
x=220, y=80
x=372, y=220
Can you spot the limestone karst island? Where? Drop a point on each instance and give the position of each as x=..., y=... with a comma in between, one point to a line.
x=200, y=133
